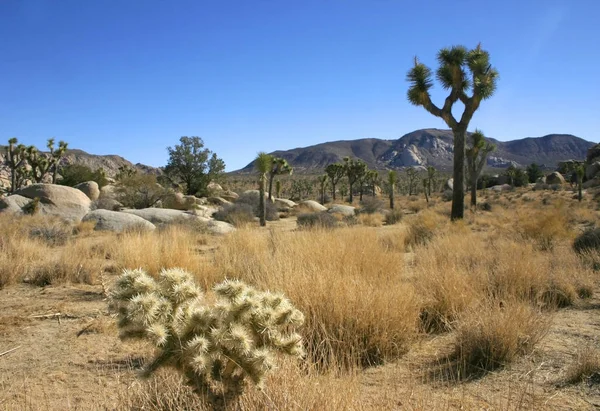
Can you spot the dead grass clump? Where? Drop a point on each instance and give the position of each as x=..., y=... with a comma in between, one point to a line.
x=358, y=311
x=586, y=364
x=371, y=220
x=494, y=335
x=588, y=241
x=322, y=220
x=238, y=214
x=393, y=216
x=420, y=230
x=371, y=205
x=545, y=227
x=53, y=232
x=170, y=247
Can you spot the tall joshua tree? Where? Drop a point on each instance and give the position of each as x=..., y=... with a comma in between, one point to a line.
x=460, y=71
x=335, y=172
x=39, y=162
x=263, y=164
x=16, y=156
x=373, y=179
x=411, y=177
x=431, y=173
x=392, y=180
x=279, y=166
x=56, y=155
x=322, y=186
x=476, y=158
x=355, y=170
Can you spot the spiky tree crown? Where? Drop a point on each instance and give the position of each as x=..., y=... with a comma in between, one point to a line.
x=215, y=346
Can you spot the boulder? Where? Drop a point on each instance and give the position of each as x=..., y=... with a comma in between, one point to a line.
x=229, y=195
x=13, y=204
x=555, y=178
x=162, y=215
x=345, y=210
x=594, y=182
x=107, y=203
x=218, y=201
x=501, y=187
x=177, y=201
x=219, y=227
x=65, y=202
x=204, y=211
x=116, y=221
x=212, y=186
x=90, y=189
x=592, y=170
x=283, y=204
x=313, y=206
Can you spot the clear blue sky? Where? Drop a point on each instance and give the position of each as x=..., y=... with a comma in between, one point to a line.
x=130, y=77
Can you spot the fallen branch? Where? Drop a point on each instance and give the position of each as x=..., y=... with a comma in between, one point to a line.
x=9, y=351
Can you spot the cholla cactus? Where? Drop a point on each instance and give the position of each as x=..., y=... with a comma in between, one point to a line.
x=217, y=347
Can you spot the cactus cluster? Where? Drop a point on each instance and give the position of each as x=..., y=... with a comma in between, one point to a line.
x=217, y=347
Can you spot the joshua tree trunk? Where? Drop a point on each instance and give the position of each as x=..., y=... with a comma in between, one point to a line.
x=361, y=193
x=271, y=177
x=262, y=206
x=351, y=197
x=458, y=193
x=392, y=196
x=333, y=190
x=474, y=190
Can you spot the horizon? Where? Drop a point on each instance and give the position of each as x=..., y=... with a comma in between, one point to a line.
x=130, y=78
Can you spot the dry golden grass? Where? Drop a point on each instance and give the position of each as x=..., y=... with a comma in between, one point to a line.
x=585, y=364
x=371, y=220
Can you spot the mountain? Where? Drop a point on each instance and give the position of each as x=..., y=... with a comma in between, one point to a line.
x=432, y=147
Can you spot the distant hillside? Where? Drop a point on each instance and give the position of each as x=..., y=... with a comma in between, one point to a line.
x=110, y=163
x=432, y=147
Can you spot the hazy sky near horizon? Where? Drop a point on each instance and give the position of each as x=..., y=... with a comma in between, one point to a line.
x=130, y=77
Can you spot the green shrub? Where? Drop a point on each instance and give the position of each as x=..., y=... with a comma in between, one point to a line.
x=73, y=174
x=588, y=241
x=316, y=220
x=217, y=347
x=139, y=191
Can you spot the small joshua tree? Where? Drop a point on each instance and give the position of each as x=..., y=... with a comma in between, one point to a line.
x=16, y=156
x=431, y=174
x=279, y=166
x=411, y=177
x=263, y=164
x=56, y=155
x=219, y=347
x=392, y=180
x=322, y=187
x=580, y=172
x=477, y=156
x=355, y=170
x=335, y=172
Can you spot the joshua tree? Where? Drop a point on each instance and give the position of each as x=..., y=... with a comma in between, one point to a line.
x=452, y=73
x=278, y=188
x=431, y=174
x=355, y=170
x=392, y=180
x=335, y=172
x=263, y=164
x=373, y=179
x=425, y=181
x=534, y=172
x=217, y=347
x=16, y=156
x=476, y=158
x=56, y=156
x=279, y=166
x=322, y=187
x=580, y=171
x=411, y=176
x=39, y=162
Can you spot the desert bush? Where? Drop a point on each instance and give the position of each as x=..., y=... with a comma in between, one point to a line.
x=447, y=195
x=371, y=205
x=371, y=220
x=585, y=364
x=316, y=220
x=139, y=190
x=238, y=214
x=252, y=198
x=394, y=216
x=485, y=206
x=73, y=174
x=588, y=241
x=418, y=233
x=53, y=232
x=32, y=207
x=217, y=347
x=492, y=336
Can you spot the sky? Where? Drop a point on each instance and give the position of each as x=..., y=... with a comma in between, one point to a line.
x=130, y=77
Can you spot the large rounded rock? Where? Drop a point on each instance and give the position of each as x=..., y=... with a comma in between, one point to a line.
x=313, y=206
x=283, y=204
x=345, y=210
x=229, y=195
x=90, y=189
x=218, y=201
x=116, y=221
x=65, y=202
x=592, y=170
x=555, y=178
x=204, y=211
x=162, y=215
x=13, y=204
x=219, y=227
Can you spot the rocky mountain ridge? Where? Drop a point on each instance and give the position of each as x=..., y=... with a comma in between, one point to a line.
x=432, y=147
